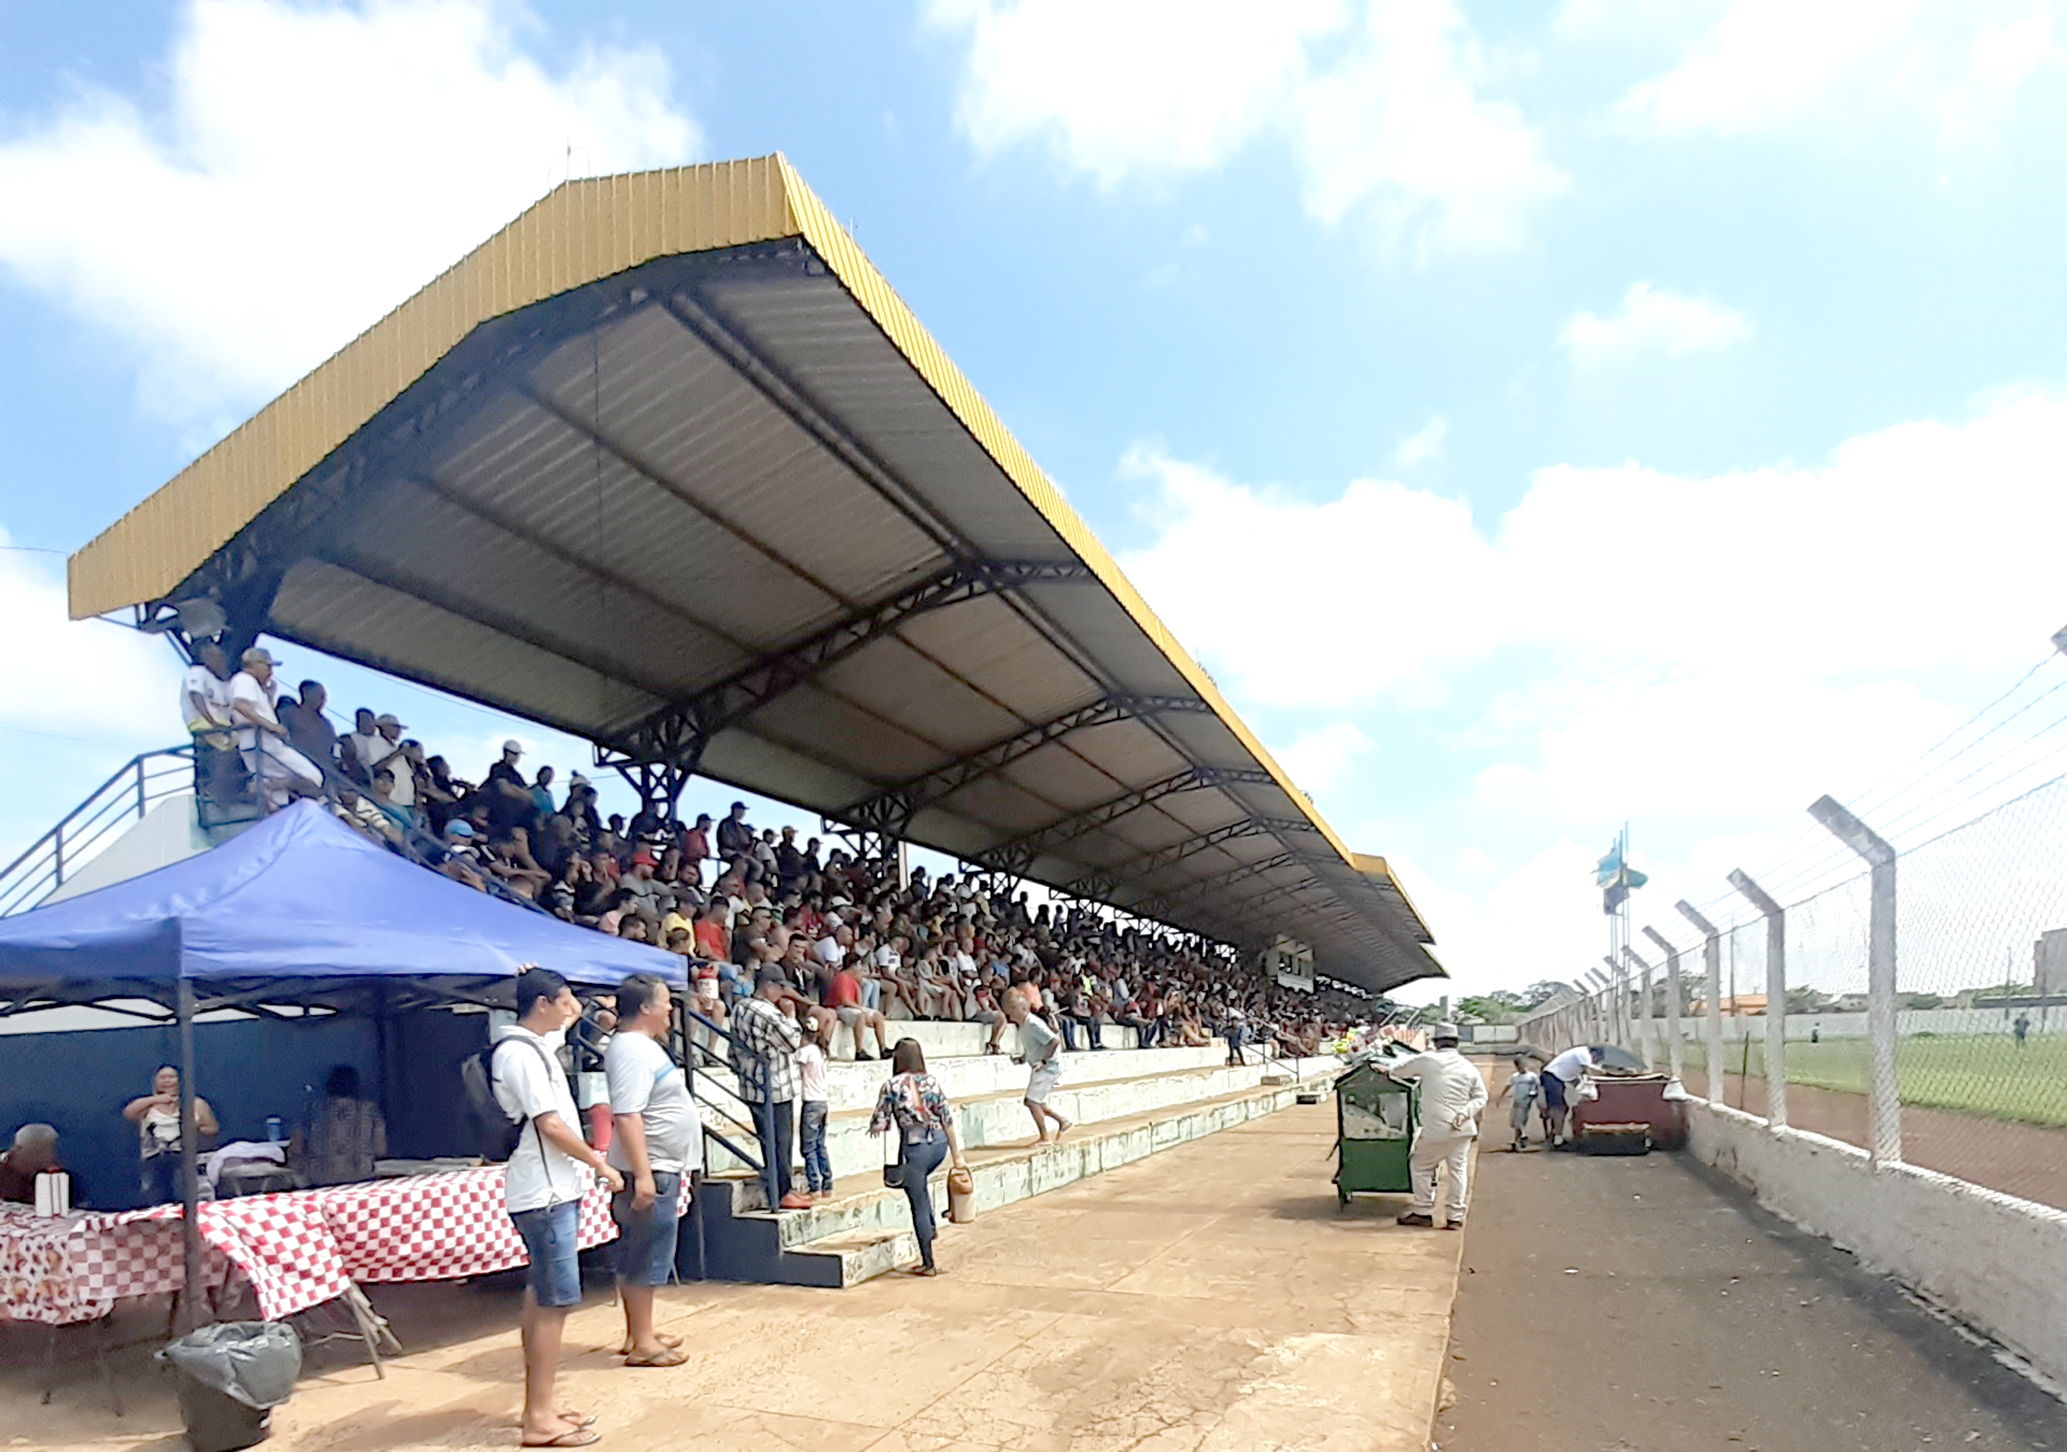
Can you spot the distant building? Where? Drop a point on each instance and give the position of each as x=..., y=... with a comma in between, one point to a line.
x=1744, y=1005
x=2049, y=962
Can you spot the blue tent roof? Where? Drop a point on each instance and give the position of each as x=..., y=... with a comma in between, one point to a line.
x=300, y=896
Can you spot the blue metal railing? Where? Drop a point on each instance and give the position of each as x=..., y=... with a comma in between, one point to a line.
x=79, y=836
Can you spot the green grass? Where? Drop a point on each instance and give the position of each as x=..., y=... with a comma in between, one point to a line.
x=1985, y=1074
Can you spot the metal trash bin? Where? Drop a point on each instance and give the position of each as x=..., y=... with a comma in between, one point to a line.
x=230, y=1377
x=1375, y=1119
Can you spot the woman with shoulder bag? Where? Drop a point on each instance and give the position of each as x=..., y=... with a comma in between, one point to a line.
x=915, y=1108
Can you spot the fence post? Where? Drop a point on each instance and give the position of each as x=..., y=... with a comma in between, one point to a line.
x=1711, y=961
x=1776, y=994
x=1646, y=1047
x=1615, y=1004
x=1674, y=1052
x=1885, y=1102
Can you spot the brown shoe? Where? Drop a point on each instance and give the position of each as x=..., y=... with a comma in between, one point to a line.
x=796, y=1200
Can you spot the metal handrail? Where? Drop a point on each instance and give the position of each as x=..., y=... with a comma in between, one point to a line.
x=125, y=797
x=692, y=1071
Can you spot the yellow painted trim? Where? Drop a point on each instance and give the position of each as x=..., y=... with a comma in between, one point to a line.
x=578, y=233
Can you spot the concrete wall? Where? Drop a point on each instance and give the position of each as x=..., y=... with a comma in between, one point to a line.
x=1996, y=1262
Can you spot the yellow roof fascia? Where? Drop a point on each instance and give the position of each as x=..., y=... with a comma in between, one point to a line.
x=1378, y=867
x=580, y=232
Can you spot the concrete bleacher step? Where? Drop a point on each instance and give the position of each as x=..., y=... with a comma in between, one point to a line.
x=1000, y=1117
x=865, y=1231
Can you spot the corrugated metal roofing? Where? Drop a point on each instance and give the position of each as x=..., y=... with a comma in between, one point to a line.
x=667, y=447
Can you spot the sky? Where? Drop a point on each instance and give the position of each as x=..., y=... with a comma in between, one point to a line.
x=1536, y=418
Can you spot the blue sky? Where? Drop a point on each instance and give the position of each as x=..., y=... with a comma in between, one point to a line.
x=1534, y=419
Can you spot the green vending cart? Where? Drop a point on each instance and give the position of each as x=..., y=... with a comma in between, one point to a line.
x=1375, y=1118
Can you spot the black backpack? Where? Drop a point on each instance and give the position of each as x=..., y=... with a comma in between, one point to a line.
x=498, y=1131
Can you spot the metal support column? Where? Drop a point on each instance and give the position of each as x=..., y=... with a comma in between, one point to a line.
x=1776, y=995
x=194, y=1304
x=1711, y=960
x=1675, y=1050
x=1884, y=1105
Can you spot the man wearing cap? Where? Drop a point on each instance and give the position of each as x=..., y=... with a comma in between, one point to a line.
x=1453, y=1095
x=387, y=751
x=278, y=771
x=767, y=1035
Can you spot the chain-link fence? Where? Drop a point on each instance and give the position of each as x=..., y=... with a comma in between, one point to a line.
x=1967, y=1019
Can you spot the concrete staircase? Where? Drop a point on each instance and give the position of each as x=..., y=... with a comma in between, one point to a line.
x=1126, y=1104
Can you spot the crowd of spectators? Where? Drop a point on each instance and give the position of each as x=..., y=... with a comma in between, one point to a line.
x=733, y=899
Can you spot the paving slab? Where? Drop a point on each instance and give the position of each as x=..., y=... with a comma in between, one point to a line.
x=1211, y=1296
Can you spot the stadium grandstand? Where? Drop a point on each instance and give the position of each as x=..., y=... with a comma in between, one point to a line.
x=665, y=464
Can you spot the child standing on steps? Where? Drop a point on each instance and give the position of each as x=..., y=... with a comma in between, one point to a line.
x=811, y=1061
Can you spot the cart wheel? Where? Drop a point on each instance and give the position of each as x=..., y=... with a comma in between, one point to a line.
x=1341, y=1198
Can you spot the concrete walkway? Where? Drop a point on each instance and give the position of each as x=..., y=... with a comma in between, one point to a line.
x=1640, y=1303
x=1209, y=1297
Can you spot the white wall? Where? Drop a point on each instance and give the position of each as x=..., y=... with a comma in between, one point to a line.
x=1997, y=1262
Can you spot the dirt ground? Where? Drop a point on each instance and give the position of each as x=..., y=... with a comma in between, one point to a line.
x=1211, y=1298
x=2026, y=1160
x=1615, y=1303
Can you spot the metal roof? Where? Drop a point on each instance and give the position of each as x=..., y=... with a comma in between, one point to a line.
x=667, y=456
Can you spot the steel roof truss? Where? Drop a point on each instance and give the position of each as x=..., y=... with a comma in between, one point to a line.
x=730, y=701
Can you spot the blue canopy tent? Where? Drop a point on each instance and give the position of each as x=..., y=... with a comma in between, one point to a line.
x=299, y=910
x=302, y=908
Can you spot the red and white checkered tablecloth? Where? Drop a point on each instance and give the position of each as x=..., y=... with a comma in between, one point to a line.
x=298, y=1249
x=72, y=1268
x=283, y=1246
x=439, y=1227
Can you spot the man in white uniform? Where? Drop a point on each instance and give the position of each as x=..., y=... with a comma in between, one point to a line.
x=278, y=772
x=1453, y=1095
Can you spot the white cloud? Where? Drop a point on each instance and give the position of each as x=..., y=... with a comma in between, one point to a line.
x=312, y=165
x=1771, y=66
x=1711, y=652
x=1653, y=322
x=1384, y=111
x=1400, y=133
x=1424, y=444
x=1321, y=757
x=1125, y=86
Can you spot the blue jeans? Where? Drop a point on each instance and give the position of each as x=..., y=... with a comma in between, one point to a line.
x=922, y=1156
x=646, y=1239
x=818, y=1165
x=549, y=1234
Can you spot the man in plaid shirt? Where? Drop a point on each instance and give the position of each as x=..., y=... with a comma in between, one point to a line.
x=768, y=1038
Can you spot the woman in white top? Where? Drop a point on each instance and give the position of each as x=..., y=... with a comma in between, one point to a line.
x=156, y=1117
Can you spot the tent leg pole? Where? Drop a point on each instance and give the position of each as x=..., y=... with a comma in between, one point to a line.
x=189, y=1162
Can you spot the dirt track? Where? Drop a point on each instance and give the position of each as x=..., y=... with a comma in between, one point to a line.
x=1642, y=1303
x=2028, y=1160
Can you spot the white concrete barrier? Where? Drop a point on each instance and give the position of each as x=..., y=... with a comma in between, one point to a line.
x=1995, y=1261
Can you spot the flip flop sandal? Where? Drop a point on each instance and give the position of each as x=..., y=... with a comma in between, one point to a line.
x=574, y=1437
x=669, y=1356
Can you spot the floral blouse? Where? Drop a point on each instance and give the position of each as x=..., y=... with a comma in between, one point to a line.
x=914, y=1101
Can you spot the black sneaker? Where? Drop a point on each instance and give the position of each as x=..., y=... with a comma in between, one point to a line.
x=861, y=1058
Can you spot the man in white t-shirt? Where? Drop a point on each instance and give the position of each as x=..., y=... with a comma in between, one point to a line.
x=204, y=704
x=542, y=1187
x=278, y=771
x=655, y=1140
x=1560, y=1077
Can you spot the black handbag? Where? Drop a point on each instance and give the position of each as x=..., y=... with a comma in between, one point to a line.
x=893, y=1170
